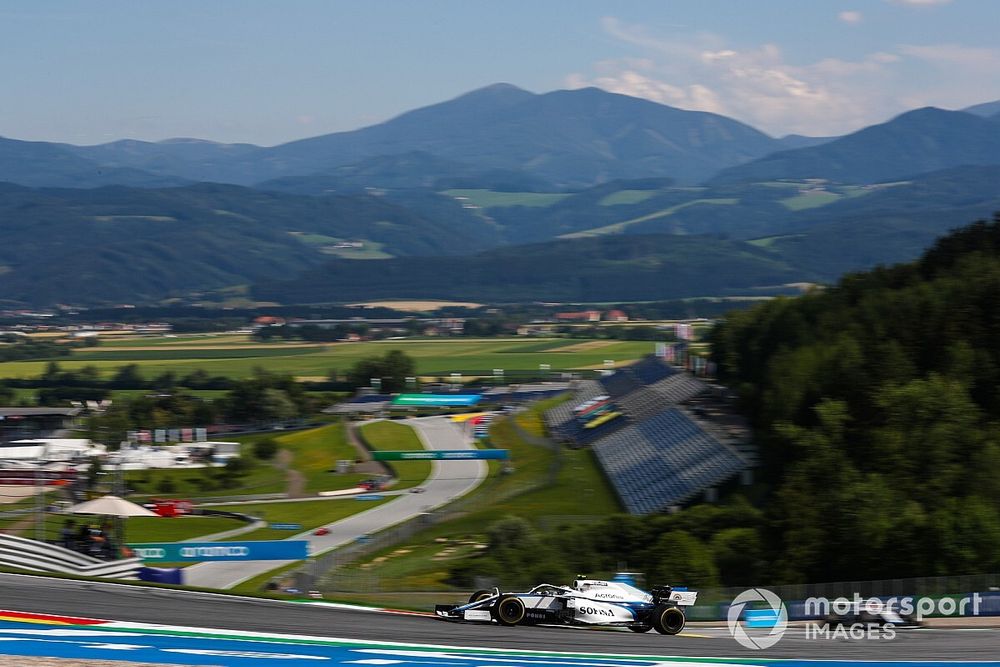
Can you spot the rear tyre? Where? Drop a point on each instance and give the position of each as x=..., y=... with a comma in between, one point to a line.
x=640, y=628
x=668, y=620
x=509, y=610
x=480, y=595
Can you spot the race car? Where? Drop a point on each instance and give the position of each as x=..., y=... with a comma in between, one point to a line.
x=587, y=602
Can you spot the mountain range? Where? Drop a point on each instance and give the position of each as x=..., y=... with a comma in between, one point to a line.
x=500, y=187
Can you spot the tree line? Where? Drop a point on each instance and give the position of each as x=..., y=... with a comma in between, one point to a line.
x=875, y=405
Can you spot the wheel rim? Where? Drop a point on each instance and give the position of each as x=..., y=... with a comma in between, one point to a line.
x=512, y=610
x=672, y=620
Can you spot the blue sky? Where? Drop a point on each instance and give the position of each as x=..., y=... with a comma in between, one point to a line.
x=269, y=72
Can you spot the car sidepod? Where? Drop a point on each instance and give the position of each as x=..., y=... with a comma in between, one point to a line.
x=588, y=611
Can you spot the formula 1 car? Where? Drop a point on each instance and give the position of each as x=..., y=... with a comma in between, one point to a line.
x=586, y=602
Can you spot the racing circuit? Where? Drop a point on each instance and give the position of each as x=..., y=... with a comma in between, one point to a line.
x=330, y=628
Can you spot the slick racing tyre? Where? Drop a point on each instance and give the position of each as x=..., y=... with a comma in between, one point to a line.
x=668, y=620
x=509, y=611
x=640, y=628
x=480, y=595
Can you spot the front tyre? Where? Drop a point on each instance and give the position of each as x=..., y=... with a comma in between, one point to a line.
x=668, y=620
x=509, y=611
x=480, y=595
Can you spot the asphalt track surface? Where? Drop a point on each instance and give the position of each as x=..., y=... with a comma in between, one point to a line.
x=447, y=481
x=148, y=605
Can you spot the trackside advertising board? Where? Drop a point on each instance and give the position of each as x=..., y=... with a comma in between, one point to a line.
x=436, y=400
x=441, y=454
x=197, y=552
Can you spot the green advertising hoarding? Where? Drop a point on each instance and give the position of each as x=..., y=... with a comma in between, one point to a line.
x=441, y=455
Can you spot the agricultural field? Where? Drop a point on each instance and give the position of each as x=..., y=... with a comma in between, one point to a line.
x=492, y=199
x=237, y=356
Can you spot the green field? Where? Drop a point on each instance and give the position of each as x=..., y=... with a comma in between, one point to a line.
x=313, y=453
x=138, y=529
x=309, y=513
x=490, y=199
x=237, y=357
x=627, y=197
x=618, y=227
x=390, y=436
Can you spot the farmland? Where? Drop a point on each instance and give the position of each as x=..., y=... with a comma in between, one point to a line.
x=237, y=356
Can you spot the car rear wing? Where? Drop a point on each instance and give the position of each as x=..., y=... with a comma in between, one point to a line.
x=683, y=598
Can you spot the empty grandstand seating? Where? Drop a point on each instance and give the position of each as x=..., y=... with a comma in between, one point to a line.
x=663, y=461
x=651, y=370
x=583, y=391
x=620, y=383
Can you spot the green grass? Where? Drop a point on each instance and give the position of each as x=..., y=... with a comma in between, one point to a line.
x=139, y=529
x=203, y=482
x=309, y=513
x=129, y=356
x=314, y=452
x=769, y=241
x=618, y=227
x=176, y=529
x=627, y=197
x=808, y=200
x=390, y=436
x=170, y=340
x=433, y=357
x=370, y=250
x=491, y=199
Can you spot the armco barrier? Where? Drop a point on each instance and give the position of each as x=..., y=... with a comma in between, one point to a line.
x=24, y=554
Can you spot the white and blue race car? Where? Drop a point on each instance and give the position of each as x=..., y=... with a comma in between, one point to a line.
x=587, y=602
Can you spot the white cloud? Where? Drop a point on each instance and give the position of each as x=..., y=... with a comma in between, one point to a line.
x=920, y=3
x=756, y=85
x=850, y=17
x=954, y=54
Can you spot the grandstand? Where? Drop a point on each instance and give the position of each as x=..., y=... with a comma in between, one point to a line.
x=656, y=453
x=664, y=461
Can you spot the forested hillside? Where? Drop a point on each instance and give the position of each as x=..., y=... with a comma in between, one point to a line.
x=119, y=244
x=649, y=267
x=876, y=405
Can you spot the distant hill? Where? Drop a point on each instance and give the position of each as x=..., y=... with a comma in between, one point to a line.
x=792, y=141
x=142, y=245
x=187, y=159
x=986, y=109
x=615, y=268
x=916, y=142
x=37, y=163
x=570, y=138
x=405, y=171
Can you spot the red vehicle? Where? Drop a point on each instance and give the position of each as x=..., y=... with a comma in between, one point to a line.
x=170, y=507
